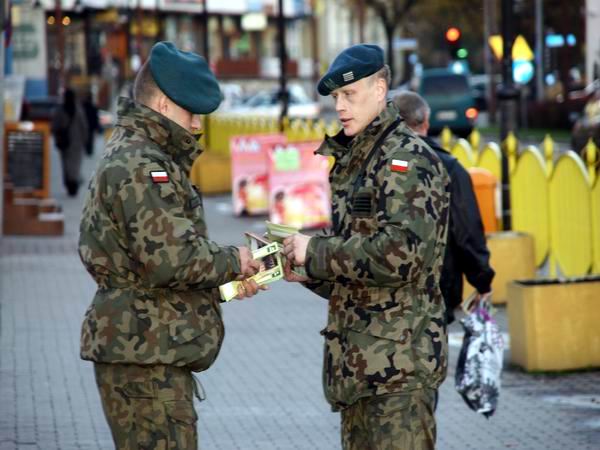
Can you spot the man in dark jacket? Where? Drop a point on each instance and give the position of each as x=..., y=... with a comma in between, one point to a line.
x=466, y=252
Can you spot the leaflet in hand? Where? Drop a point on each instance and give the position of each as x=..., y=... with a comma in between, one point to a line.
x=267, y=249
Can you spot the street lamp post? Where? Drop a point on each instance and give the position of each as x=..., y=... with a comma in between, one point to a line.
x=283, y=94
x=507, y=98
x=60, y=43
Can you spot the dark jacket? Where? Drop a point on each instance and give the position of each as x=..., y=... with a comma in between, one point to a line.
x=466, y=252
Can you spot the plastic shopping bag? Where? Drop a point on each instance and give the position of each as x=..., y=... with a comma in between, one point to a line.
x=480, y=361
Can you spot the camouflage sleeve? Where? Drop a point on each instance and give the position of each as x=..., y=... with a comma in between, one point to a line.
x=164, y=240
x=391, y=248
x=321, y=288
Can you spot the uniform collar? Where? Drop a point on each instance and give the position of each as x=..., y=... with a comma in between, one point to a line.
x=174, y=140
x=375, y=128
x=356, y=149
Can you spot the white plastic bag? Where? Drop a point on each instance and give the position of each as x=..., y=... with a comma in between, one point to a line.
x=479, y=364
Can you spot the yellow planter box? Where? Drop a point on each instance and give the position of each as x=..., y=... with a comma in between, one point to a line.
x=212, y=173
x=554, y=325
x=512, y=258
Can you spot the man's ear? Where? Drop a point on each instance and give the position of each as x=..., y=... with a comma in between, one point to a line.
x=381, y=89
x=162, y=104
x=426, y=125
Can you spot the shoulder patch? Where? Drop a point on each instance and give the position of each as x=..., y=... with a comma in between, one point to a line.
x=159, y=176
x=399, y=165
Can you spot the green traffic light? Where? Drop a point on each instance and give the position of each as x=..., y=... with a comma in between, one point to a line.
x=462, y=53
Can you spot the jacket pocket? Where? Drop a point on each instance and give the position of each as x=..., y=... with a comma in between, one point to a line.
x=181, y=421
x=195, y=338
x=379, y=351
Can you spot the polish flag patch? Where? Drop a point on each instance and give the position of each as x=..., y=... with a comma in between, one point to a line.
x=159, y=176
x=399, y=165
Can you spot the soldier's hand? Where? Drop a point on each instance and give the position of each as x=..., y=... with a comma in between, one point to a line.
x=249, y=288
x=248, y=265
x=289, y=275
x=294, y=248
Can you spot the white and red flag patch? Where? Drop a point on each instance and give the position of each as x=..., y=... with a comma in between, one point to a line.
x=159, y=176
x=399, y=165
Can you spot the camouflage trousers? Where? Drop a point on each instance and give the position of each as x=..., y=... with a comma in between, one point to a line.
x=391, y=422
x=148, y=407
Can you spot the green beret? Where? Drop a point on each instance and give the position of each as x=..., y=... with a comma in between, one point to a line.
x=185, y=78
x=354, y=63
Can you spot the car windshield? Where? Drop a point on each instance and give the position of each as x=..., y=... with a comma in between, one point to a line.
x=262, y=99
x=297, y=97
x=445, y=84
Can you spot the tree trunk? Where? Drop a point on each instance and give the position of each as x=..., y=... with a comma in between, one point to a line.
x=389, y=35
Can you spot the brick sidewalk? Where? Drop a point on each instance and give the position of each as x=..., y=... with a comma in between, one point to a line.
x=263, y=393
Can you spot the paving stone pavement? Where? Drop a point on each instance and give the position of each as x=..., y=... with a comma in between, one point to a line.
x=263, y=393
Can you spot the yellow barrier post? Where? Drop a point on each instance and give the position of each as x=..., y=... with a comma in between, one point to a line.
x=548, y=146
x=333, y=128
x=570, y=196
x=475, y=140
x=462, y=151
x=446, y=138
x=592, y=161
x=511, y=144
x=591, y=153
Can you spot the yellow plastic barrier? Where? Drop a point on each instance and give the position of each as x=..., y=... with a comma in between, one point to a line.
x=530, y=202
x=570, y=216
x=446, y=138
x=333, y=128
x=554, y=326
x=490, y=158
x=475, y=139
x=462, y=151
x=595, y=199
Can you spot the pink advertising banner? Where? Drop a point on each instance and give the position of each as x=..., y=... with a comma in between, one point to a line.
x=249, y=172
x=299, y=192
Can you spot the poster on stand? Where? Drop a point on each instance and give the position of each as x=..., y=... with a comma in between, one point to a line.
x=299, y=193
x=249, y=172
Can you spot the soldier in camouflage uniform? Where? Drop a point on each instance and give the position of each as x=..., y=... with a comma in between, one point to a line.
x=385, y=340
x=155, y=317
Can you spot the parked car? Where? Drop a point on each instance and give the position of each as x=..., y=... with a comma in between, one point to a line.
x=267, y=103
x=451, y=100
x=588, y=124
x=41, y=108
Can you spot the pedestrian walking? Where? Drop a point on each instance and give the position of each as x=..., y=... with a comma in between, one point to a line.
x=70, y=130
x=93, y=121
x=466, y=252
x=379, y=268
x=155, y=317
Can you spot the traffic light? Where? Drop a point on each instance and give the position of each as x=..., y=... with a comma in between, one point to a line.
x=456, y=49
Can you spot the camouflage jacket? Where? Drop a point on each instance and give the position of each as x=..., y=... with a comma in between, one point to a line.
x=144, y=241
x=381, y=267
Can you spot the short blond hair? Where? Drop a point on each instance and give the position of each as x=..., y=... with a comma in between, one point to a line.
x=385, y=74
